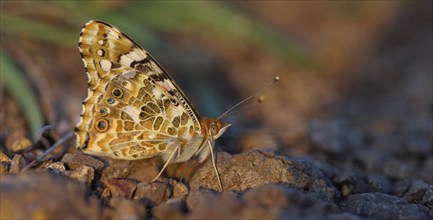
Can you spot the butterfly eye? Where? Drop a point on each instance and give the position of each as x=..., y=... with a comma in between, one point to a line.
x=213, y=130
x=117, y=93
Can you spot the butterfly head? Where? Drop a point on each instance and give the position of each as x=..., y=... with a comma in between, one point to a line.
x=214, y=127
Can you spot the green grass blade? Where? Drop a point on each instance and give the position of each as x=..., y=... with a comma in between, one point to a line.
x=16, y=84
x=18, y=26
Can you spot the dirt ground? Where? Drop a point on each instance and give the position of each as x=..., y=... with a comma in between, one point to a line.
x=348, y=137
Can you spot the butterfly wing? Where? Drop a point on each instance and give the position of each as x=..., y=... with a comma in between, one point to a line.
x=133, y=109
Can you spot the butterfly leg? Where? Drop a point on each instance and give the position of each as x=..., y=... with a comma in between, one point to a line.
x=214, y=165
x=166, y=163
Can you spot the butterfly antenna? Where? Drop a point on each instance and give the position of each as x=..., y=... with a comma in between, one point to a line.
x=276, y=79
x=259, y=100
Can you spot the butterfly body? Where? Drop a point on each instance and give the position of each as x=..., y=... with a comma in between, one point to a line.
x=134, y=109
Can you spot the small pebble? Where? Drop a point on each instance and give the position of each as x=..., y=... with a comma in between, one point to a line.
x=58, y=166
x=83, y=174
x=4, y=158
x=4, y=167
x=17, y=164
x=17, y=142
x=78, y=159
x=156, y=192
x=121, y=187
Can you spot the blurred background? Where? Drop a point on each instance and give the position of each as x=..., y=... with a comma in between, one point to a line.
x=355, y=86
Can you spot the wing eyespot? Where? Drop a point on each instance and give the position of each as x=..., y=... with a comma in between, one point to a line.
x=118, y=93
x=110, y=101
x=102, y=125
x=103, y=111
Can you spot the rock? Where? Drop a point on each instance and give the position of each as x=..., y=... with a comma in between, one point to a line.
x=126, y=209
x=17, y=141
x=427, y=170
x=287, y=202
x=383, y=206
x=116, y=169
x=427, y=199
x=78, y=159
x=401, y=187
x=58, y=166
x=121, y=187
x=373, y=159
x=17, y=163
x=280, y=195
x=202, y=202
x=330, y=136
x=144, y=170
x=342, y=216
x=180, y=190
x=350, y=183
x=417, y=193
x=264, y=202
x=154, y=192
x=399, y=169
x=199, y=196
x=44, y=195
x=83, y=174
x=4, y=158
x=173, y=208
x=248, y=170
x=257, y=140
x=379, y=183
x=419, y=146
x=4, y=168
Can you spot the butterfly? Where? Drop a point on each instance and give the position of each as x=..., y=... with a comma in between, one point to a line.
x=134, y=109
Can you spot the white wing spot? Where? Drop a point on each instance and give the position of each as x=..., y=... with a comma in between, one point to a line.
x=130, y=74
x=125, y=60
x=100, y=52
x=101, y=42
x=136, y=54
x=134, y=113
x=105, y=65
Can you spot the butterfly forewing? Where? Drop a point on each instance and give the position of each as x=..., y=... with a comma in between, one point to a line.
x=133, y=109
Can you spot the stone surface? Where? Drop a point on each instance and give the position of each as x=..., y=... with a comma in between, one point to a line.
x=154, y=192
x=124, y=208
x=384, y=206
x=4, y=158
x=350, y=183
x=180, y=190
x=4, y=167
x=427, y=170
x=396, y=168
x=58, y=166
x=419, y=145
x=43, y=195
x=330, y=137
x=17, y=164
x=144, y=170
x=17, y=142
x=82, y=173
x=78, y=159
x=419, y=192
x=264, y=202
x=401, y=187
x=248, y=170
x=174, y=208
x=121, y=187
x=379, y=183
x=116, y=169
